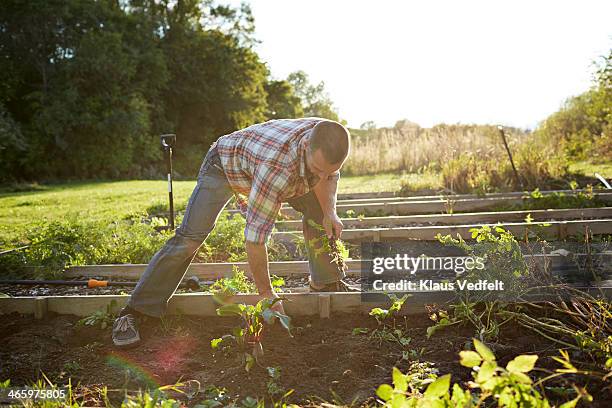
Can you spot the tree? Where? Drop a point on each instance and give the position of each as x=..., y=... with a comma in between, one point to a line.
x=314, y=98
x=87, y=86
x=282, y=100
x=583, y=126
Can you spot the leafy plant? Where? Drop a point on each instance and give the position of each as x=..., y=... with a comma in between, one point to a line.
x=384, y=332
x=535, y=200
x=504, y=261
x=248, y=337
x=383, y=314
x=237, y=283
x=102, y=318
x=506, y=387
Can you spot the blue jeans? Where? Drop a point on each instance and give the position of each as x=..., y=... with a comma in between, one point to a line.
x=212, y=192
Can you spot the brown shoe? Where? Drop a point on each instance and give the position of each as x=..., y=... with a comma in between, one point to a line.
x=339, y=286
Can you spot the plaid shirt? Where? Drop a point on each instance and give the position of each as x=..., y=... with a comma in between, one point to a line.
x=267, y=163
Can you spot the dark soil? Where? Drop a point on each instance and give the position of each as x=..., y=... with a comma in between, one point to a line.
x=323, y=359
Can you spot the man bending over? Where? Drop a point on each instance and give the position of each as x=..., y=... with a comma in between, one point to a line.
x=293, y=160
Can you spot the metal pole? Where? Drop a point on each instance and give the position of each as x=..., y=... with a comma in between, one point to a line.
x=168, y=142
x=516, y=175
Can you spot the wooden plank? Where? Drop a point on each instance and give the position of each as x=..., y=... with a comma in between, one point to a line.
x=324, y=306
x=396, y=195
x=433, y=206
x=291, y=268
x=23, y=305
x=301, y=304
x=41, y=307
x=557, y=229
x=463, y=218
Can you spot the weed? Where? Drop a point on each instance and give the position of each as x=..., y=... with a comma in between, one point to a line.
x=576, y=321
x=535, y=200
x=504, y=262
x=101, y=318
x=72, y=367
x=413, y=354
x=248, y=337
x=501, y=255
x=238, y=283
x=334, y=247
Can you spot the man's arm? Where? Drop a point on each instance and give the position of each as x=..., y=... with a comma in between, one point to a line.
x=258, y=263
x=262, y=210
x=326, y=191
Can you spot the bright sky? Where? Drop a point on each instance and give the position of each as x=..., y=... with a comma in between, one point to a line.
x=510, y=62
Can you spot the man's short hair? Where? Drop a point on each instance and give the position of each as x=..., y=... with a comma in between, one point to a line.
x=333, y=139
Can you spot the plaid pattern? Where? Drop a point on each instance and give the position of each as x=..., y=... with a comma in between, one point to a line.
x=266, y=162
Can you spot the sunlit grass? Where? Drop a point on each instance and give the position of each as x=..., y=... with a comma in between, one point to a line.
x=589, y=169
x=110, y=201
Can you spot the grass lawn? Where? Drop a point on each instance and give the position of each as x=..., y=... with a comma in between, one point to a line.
x=117, y=199
x=589, y=169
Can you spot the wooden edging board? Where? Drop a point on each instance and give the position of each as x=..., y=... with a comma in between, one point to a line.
x=434, y=206
x=209, y=271
x=463, y=218
x=396, y=195
x=201, y=304
x=554, y=230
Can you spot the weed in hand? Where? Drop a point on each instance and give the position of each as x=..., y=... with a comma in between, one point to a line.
x=334, y=247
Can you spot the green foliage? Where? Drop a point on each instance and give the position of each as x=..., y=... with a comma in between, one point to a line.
x=334, y=247
x=57, y=245
x=502, y=257
x=503, y=261
x=387, y=330
x=102, y=318
x=492, y=384
x=383, y=314
x=238, y=283
x=225, y=243
x=248, y=336
x=583, y=126
x=282, y=101
x=535, y=200
x=87, y=85
x=314, y=98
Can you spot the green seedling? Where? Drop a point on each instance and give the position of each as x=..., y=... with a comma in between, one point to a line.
x=383, y=314
x=248, y=337
x=382, y=332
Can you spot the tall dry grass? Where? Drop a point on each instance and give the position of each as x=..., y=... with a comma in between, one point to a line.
x=410, y=148
x=468, y=157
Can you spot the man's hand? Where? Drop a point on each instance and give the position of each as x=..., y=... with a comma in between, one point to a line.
x=332, y=225
x=257, y=255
